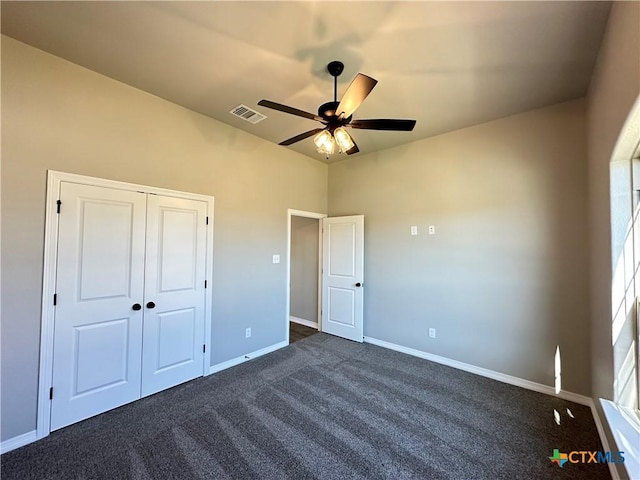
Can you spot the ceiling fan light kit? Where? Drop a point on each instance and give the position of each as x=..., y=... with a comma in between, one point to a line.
x=335, y=116
x=326, y=143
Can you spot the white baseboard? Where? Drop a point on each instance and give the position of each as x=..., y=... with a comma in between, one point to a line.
x=484, y=372
x=302, y=321
x=245, y=358
x=17, y=442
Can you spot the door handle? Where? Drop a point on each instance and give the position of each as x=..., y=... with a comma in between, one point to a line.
x=136, y=307
x=151, y=305
x=358, y=284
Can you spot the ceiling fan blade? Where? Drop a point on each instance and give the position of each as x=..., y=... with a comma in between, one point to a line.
x=384, y=124
x=360, y=87
x=291, y=110
x=302, y=136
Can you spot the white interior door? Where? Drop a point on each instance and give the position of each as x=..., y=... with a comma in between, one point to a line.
x=174, y=292
x=100, y=274
x=343, y=275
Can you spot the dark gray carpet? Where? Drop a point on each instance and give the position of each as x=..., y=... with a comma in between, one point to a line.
x=323, y=408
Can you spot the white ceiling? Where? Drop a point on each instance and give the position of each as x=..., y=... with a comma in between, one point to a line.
x=448, y=65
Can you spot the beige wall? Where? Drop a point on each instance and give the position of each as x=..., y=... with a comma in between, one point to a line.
x=56, y=115
x=304, y=268
x=615, y=86
x=504, y=280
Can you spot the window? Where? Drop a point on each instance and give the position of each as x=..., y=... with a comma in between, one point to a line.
x=625, y=288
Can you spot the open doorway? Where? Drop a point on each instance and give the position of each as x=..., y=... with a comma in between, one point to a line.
x=304, y=253
x=325, y=290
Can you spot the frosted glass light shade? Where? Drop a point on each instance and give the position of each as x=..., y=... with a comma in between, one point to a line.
x=325, y=142
x=343, y=139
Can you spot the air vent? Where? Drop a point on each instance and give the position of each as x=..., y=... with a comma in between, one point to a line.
x=245, y=113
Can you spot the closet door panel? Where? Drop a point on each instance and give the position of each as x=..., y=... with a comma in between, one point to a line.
x=174, y=292
x=99, y=277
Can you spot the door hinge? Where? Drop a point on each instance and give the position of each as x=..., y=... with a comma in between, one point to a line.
x=51, y=393
x=204, y=348
x=207, y=220
x=59, y=202
x=205, y=284
x=55, y=299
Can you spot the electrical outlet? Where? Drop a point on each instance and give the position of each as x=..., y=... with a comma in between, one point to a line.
x=432, y=229
x=276, y=259
x=247, y=333
x=432, y=333
x=414, y=229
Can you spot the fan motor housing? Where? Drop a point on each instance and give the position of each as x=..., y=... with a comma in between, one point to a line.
x=328, y=112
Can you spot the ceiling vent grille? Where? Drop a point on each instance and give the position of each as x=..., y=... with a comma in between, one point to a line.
x=245, y=113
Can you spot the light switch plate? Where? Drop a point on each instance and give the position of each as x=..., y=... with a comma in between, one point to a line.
x=276, y=259
x=414, y=229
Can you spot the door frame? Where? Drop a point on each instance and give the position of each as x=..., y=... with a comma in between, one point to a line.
x=318, y=216
x=54, y=180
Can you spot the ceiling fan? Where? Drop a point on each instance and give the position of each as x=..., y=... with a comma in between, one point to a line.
x=335, y=116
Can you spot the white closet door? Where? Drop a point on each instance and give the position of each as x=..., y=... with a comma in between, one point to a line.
x=100, y=273
x=174, y=292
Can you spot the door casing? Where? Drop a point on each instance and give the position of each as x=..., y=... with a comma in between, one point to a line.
x=320, y=217
x=54, y=179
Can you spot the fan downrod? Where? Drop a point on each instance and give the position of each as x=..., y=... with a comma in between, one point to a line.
x=335, y=68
